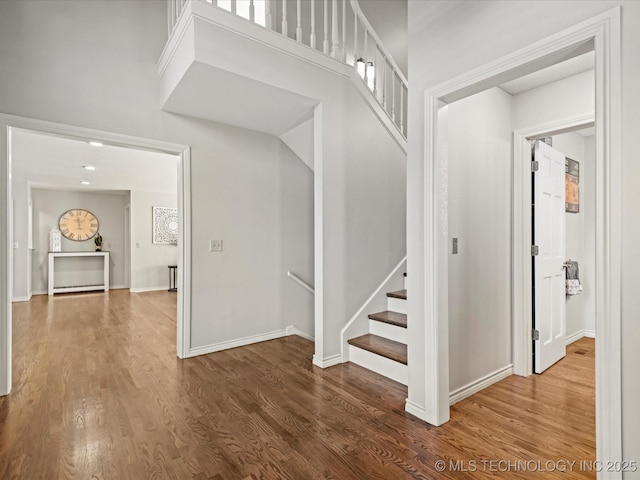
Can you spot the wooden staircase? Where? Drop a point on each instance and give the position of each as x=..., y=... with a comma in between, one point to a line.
x=384, y=348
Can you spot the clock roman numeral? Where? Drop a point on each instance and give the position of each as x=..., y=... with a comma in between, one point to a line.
x=94, y=225
x=71, y=235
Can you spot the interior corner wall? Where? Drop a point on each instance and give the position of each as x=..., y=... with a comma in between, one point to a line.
x=479, y=212
x=295, y=187
x=580, y=236
x=48, y=205
x=149, y=261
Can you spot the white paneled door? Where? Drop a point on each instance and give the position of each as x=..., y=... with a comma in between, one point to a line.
x=548, y=263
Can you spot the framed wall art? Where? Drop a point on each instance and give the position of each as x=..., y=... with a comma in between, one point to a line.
x=572, y=185
x=165, y=225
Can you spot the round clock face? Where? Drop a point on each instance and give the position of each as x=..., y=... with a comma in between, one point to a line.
x=78, y=224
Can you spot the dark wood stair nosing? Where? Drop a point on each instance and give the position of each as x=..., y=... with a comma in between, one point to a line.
x=384, y=347
x=392, y=318
x=402, y=294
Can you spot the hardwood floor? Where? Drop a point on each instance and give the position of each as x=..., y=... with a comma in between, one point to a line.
x=98, y=393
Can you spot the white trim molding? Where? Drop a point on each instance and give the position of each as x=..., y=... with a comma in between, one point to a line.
x=427, y=261
x=238, y=342
x=480, y=384
x=9, y=122
x=22, y=299
x=293, y=330
x=328, y=361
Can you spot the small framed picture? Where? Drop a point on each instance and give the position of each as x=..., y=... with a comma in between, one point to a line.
x=165, y=225
x=572, y=185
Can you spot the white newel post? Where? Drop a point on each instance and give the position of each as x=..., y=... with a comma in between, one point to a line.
x=335, y=34
x=285, y=27
x=312, y=39
x=325, y=43
x=299, y=22
x=344, y=31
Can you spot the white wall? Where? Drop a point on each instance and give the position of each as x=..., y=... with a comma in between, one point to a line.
x=479, y=173
x=149, y=262
x=470, y=34
x=81, y=63
x=22, y=254
x=580, y=235
x=48, y=205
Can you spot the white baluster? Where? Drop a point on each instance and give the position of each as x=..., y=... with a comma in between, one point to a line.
x=325, y=43
x=252, y=11
x=355, y=42
x=401, y=108
x=234, y=7
x=335, y=33
x=344, y=31
x=375, y=79
x=267, y=13
x=393, y=97
x=299, y=24
x=364, y=57
x=384, y=83
x=285, y=26
x=312, y=39
x=171, y=17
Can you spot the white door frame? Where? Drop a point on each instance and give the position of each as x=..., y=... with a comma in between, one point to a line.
x=427, y=251
x=521, y=295
x=10, y=122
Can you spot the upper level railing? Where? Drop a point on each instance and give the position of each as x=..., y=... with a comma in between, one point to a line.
x=337, y=28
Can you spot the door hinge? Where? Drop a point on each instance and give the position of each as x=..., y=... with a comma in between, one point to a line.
x=535, y=334
x=535, y=165
x=534, y=250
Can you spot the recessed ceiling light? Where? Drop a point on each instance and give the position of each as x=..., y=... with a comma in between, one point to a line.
x=88, y=167
x=84, y=182
x=95, y=143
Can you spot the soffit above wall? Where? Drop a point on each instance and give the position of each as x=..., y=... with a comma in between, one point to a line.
x=568, y=68
x=55, y=162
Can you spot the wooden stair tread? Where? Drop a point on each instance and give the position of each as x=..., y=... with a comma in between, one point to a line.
x=392, y=318
x=381, y=346
x=399, y=294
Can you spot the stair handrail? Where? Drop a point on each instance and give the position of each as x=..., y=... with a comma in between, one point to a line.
x=301, y=282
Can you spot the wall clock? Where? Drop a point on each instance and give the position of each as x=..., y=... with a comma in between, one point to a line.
x=78, y=224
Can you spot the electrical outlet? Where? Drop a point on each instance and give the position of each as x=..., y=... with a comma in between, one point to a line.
x=215, y=245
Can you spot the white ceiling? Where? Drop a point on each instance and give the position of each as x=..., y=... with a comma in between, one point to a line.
x=49, y=161
x=568, y=68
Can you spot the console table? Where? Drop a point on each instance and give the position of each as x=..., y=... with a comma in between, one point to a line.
x=78, y=288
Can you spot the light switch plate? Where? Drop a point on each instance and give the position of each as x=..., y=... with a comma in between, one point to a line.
x=215, y=245
x=454, y=246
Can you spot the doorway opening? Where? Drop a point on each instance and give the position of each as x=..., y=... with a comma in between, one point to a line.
x=431, y=243
x=10, y=126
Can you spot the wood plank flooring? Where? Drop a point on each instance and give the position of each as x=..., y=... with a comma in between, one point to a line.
x=98, y=393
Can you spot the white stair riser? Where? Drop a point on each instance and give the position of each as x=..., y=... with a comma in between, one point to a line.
x=397, y=305
x=381, y=365
x=386, y=330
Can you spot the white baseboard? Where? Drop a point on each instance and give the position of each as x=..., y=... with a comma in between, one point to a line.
x=291, y=330
x=415, y=410
x=480, y=384
x=327, y=361
x=39, y=292
x=21, y=299
x=580, y=334
x=146, y=289
x=239, y=342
